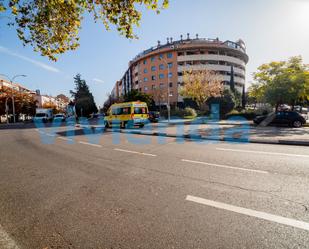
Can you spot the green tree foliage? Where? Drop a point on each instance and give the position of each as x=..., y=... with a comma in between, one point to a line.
x=285, y=82
x=52, y=27
x=243, y=98
x=83, y=98
x=136, y=95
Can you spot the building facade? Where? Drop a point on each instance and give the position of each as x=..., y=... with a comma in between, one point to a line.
x=40, y=99
x=161, y=67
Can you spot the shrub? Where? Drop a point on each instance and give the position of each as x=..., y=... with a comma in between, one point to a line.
x=189, y=112
x=264, y=110
x=247, y=114
x=181, y=113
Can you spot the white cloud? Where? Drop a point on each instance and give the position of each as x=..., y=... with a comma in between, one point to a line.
x=34, y=62
x=98, y=80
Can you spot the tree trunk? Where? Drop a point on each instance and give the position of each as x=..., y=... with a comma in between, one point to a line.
x=277, y=106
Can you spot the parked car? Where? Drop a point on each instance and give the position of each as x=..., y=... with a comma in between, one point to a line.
x=154, y=116
x=59, y=117
x=302, y=111
x=293, y=119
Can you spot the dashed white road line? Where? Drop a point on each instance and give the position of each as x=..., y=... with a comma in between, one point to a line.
x=226, y=166
x=250, y=212
x=263, y=152
x=136, y=152
x=94, y=145
x=66, y=139
x=50, y=135
x=6, y=242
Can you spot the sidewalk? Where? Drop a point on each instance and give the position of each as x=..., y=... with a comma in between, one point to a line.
x=224, y=131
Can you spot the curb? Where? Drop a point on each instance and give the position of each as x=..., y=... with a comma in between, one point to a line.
x=200, y=137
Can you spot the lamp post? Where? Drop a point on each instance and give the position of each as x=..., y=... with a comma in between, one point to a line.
x=168, y=90
x=12, y=96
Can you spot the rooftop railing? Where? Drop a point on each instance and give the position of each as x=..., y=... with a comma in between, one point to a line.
x=230, y=44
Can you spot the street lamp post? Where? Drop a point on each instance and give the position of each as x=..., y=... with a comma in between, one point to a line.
x=168, y=90
x=12, y=96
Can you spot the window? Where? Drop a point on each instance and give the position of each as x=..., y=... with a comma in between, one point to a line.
x=169, y=55
x=161, y=56
x=190, y=53
x=153, y=77
x=171, y=84
x=170, y=65
x=152, y=59
x=161, y=66
x=161, y=76
x=145, y=79
x=145, y=62
x=153, y=68
x=153, y=87
x=145, y=88
x=140, y=110
x=170, y=75
x=212, y=52
x=121, y=111
x=171, y=94
x=145, y=70
x=181, y=53
x=125, y=110
x=161, y=85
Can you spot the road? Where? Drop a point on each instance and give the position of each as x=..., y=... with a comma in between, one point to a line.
x=119, y=193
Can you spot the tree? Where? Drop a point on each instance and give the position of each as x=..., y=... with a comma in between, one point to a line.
x=285, y=82
x=52, y=27
x=63, y=98
x=159, y=96
x=50, y=105
x=256, y=93
x=24, y=101
x=243, y=97
x=135, y=95
x=83, y=98
x=201, y=85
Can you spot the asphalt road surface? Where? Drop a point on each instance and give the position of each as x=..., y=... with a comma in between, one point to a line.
x=164, y=193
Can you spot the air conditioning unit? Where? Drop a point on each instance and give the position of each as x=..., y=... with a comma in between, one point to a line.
x=172, y=47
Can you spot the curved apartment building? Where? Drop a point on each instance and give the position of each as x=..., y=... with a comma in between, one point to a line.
x=162, y=66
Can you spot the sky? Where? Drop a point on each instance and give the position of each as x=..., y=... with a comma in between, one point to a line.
x=272, y=30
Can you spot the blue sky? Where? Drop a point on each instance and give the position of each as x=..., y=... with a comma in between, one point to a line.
x=271, y=29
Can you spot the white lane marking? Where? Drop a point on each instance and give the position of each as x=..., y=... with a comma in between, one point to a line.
x=263, y=152
x=94, y=145
x=66, y=139
x=226, y=166
x=249, y=212
x=136, y=152
x=50, y=135
x=6, y=242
